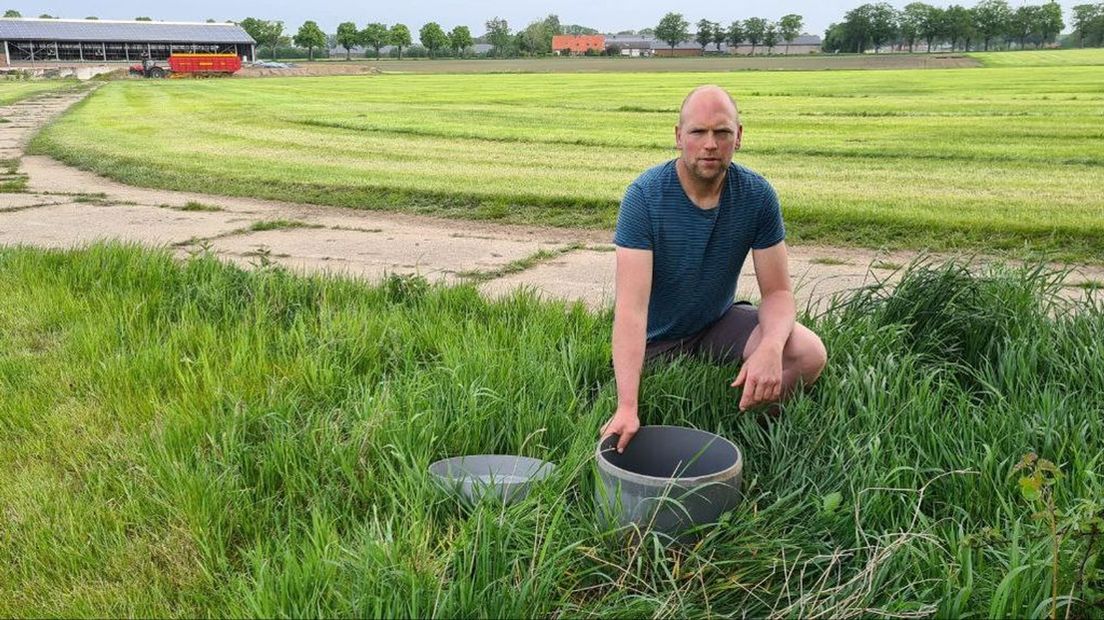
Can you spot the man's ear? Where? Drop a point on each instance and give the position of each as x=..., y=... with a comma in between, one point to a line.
x=739, y=136
x=678, y=138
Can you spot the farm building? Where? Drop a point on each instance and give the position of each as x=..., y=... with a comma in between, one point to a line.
x=39, y=41
x=359, y=51
x=572, y=44
x=803, y=44
x=683, y=48
x=626, y=45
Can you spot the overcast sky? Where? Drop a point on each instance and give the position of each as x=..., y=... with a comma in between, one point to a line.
x=605, y=16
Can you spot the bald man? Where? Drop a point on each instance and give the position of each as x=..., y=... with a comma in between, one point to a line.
x=683, y=232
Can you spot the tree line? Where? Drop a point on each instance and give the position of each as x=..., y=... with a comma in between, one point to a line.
x=270, y=34
x=1088, y=25
x=674, y=29
x=988, y=24
x=534, y=39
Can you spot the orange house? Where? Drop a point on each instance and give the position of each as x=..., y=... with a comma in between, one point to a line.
x=578, y=44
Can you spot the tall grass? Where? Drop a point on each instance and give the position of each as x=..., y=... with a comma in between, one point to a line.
x=190, y=439
x=1005, y=159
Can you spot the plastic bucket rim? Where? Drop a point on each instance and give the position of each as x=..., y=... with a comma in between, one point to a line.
x=735, y=469
x=542, y=470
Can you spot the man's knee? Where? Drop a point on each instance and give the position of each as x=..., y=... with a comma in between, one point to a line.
x=807, y=353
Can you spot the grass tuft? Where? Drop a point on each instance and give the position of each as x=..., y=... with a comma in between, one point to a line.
x=828, y=260
x=193, y=205
x=886, y=264
x=280, y=225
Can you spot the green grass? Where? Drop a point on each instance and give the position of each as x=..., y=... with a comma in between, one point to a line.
x=193, y=205
x=828, y=260
x=519, y=265
x=886, y=264
x=280, y=225
x=190, y=439
x=1042, y=58
x=11, y=180
x=12, y=91
x=984, y=159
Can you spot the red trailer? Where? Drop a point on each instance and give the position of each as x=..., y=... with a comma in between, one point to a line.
x=190, y=65
x=204, y=64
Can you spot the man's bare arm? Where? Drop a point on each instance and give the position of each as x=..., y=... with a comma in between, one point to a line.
x=761, y=374
x=777, y=310
x=633, y=285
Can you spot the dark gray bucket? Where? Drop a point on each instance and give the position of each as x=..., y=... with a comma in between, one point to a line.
x=669, y=479
x=504, y=476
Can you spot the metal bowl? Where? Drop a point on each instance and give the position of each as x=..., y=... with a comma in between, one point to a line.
x=506, y=477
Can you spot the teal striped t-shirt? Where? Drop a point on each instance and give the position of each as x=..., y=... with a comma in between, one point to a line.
x=697, y=253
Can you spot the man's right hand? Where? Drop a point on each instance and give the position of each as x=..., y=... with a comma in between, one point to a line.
x=624, y=424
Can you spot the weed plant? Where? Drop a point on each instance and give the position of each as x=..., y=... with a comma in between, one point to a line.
x=191, y=439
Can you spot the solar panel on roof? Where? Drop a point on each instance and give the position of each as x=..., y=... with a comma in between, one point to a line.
x=138, y=32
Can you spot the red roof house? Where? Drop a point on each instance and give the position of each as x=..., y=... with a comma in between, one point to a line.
x=578, y=44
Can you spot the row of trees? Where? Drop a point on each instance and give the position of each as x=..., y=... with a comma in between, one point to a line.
x=533, y=40
x=988, y=22
x=270, y=33
x=1088, y=24
x=674, y=29
x=376, y=36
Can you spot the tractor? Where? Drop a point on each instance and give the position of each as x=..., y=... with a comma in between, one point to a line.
x=149, y=69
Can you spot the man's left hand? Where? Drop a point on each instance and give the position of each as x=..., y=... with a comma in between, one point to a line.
x=761, y=377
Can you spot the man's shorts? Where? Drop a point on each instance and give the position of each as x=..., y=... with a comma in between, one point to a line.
x=722, y=341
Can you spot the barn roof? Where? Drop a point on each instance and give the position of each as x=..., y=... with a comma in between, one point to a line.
x=23, y=29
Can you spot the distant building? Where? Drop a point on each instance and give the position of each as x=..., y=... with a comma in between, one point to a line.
x=803, y=44
x=682, y=48
x=628, y=45
x=357, y=51
x=36, y=41
x=572, y=44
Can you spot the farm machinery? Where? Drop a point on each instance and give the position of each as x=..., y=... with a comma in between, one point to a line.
x=189, y=65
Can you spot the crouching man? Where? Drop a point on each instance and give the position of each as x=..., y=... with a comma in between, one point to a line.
x=683, y=232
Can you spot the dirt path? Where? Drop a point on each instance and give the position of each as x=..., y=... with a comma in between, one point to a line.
x=64, y=207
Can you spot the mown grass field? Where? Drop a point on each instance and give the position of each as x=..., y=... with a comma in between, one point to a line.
x=15, y=90
x=595, y=64
x=1042, y=58
x=189, y=439
x=995, y=159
